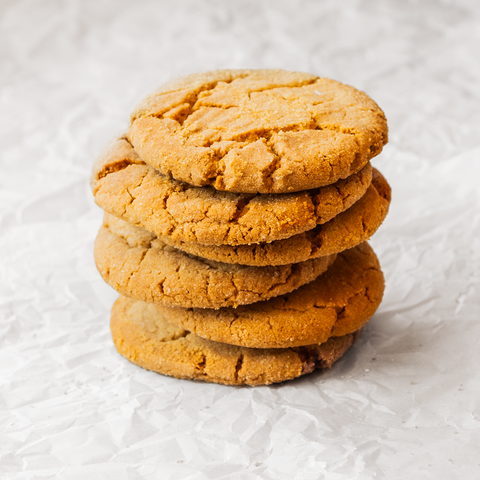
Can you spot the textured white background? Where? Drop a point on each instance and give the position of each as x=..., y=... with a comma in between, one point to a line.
x=403, y=403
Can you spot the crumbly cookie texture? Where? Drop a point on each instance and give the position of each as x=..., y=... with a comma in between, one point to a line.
x=338, y=302
x=145, y=338
x=258, y=131
x=344, y=231
x=137, y=264
x=128, y=188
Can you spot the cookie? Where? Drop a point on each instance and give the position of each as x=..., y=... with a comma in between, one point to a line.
x=338, y=302
x=137, y=264
x=145, y=338
x=124, y=186
x=258, y=131
x=346, y=230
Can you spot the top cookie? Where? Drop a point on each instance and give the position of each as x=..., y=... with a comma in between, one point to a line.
x=257, y=131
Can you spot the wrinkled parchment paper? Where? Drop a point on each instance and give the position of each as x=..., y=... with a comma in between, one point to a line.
x=403, y=403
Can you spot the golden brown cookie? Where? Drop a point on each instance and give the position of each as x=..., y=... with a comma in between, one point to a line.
x=137, y=264
x=346, y=230
x=124, y=186
x=258, y=131
x=146, y=339
x=338, y=302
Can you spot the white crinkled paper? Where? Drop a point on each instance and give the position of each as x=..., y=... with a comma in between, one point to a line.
x=403, y=403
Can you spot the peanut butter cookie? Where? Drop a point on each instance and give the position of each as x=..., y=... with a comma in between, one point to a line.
x=258, y=131
x=146, y=339
x=344, y=231
x=137, y=264
x=338, y=302
x=124, y=186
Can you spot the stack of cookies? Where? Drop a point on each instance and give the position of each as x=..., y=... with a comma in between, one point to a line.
x=237, y=209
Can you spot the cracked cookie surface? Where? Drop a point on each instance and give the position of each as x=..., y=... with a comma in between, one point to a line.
x=344, y=231
x=137, y=264
x=125, y=186
x=258, y=131
x=144, y=337
x=338, y=302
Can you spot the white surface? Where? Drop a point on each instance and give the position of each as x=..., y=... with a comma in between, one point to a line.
x=404, y=402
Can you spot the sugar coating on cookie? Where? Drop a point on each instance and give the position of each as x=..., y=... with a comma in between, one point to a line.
x=145, y=338
x=338, y=302
x=344, y=231
x=137, y=264
x=125, y=186
x=258, y=131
